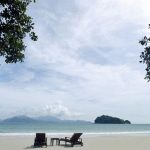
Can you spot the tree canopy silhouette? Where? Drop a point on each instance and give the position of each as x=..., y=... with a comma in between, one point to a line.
x=145, y=55
x=15, y=24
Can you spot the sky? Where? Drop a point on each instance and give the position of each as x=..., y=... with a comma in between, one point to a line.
x=84, y=64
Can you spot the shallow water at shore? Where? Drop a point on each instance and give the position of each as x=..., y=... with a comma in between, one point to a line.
x=69, y=128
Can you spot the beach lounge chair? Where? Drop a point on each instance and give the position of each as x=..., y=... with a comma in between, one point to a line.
x=40, y=140
x=74, y=140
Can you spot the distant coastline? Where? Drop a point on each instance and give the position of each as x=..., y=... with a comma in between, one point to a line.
x=23, y=125
x=104, y=119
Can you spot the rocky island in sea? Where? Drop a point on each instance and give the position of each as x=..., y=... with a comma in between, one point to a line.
x=104, y=119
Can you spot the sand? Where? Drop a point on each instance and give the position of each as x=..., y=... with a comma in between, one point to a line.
x=117, y=142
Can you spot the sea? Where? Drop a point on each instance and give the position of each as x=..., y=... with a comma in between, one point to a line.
x=8, y=129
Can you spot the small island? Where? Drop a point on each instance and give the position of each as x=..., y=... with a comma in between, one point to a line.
x=104, y=119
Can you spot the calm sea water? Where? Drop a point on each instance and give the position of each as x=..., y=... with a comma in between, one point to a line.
x=69, y=128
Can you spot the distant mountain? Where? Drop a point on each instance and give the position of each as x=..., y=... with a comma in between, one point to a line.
x=110, y=120
x=19, y=119
x=48, y=119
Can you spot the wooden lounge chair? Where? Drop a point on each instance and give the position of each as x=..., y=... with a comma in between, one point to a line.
x=74, y=140
x=40, y=140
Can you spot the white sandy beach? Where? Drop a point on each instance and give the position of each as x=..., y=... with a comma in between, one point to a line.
x=118, y=142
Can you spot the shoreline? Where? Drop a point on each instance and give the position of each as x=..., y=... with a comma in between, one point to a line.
x=113, y=134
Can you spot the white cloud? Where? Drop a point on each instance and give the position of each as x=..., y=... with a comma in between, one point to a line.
x=61, y=111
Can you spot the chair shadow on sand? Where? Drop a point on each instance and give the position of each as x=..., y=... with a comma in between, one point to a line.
x=66, y=146
x=30, y=147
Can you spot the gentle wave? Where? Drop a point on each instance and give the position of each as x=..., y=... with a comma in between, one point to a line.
x=84, y=134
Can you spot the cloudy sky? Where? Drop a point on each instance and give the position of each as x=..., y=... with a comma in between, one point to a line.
x=84, y=64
